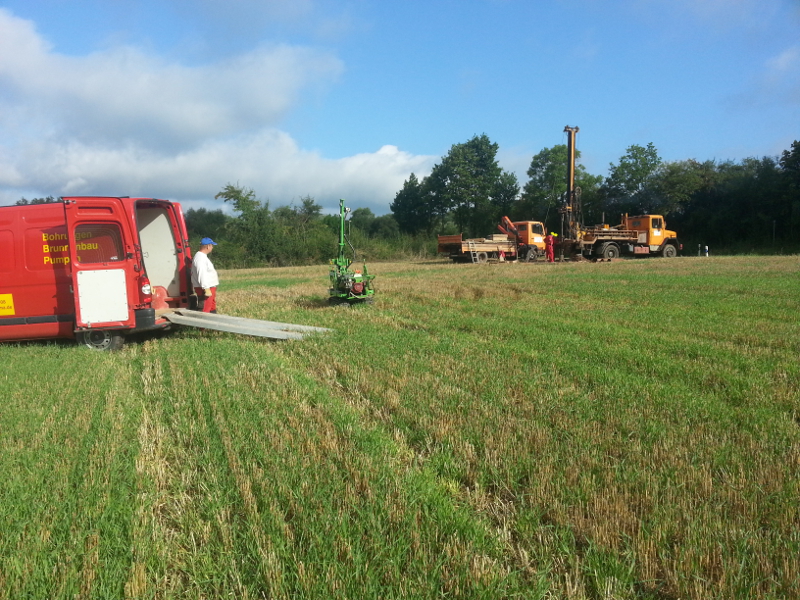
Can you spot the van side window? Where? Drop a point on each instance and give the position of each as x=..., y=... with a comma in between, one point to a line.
x=98, y=243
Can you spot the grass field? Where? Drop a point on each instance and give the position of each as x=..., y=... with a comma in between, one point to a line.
x=612, y=430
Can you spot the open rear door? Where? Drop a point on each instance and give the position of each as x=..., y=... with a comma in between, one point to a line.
x=102, y=263
x=163, y=240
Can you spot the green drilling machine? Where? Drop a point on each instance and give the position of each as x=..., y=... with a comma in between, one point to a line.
x=346, y=285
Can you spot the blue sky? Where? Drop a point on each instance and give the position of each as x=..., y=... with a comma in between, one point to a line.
x=176, y=98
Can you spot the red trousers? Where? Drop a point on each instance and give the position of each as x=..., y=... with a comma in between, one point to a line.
x=210, y=302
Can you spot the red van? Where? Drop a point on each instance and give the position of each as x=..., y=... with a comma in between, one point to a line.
x=91, y=268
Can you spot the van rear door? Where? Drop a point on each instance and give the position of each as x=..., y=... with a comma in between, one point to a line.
x=102, y=261
x=165, y=254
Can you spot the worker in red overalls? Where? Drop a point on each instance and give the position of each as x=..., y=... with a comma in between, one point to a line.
x=549, y=247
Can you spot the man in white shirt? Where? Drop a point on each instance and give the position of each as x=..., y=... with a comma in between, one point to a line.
x=204, y=276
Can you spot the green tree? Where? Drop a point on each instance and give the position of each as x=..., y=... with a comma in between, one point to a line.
x=47, y=200
x=790, y=165
x=506, y=194
x=243, y=199
x=303, y=235
x=411, y=208
x=790, y=174
x=384, y=227
x=362, y=218
x=674, y=185
x=309, y=210
x=301, y=217
x=547, y=184
x=739, y=206
x=201, y=222
x=253, y=229
x=628, y=188
x=465, y=182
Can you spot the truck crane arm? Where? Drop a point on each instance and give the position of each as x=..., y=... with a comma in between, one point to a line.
x=507, y=227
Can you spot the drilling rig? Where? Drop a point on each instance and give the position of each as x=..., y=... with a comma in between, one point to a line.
x=640, y=235
x=571, y=209
x=346, y=285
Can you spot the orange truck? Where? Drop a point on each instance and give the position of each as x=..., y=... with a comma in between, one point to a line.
x=640, y=235
x=523, y=240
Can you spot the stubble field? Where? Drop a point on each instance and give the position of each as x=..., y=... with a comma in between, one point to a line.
x=613, y=430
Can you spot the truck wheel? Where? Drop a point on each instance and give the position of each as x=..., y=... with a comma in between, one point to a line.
x=669, y=251
x=610, y=251
x=482, y=257
x=101, y=339
x=532, y=255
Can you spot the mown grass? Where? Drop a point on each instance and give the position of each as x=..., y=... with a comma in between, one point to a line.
x=614, y=430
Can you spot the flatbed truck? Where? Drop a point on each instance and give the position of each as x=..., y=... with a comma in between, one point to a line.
x=519, y=240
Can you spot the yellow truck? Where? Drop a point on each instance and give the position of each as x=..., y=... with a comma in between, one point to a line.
x=518, y=240
x=640, y=235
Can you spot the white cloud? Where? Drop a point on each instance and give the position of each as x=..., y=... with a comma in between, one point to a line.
x=125, y=93
x=323, y=19
x=124, y=122
x=725, y=13
x=778, y=82
x=716, y=16
x=782, y=76
x=786, y=63
x=269, y=162
x=237, y=15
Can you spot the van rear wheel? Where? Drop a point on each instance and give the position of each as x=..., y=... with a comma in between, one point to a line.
x=101, y=339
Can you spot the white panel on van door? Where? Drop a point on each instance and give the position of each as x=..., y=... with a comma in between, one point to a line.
x=161, y=259
x=103, y=296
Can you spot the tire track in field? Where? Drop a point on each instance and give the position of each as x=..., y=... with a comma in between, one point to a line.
x=156, y=502
x=108, y=526
x=66, y=571
x=172, y=541
x=271, y=570
x=42, y=480
x=89, y=539
x=185, y=533
x=243, y=525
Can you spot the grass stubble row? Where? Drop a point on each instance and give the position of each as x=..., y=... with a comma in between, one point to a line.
x=622, y=430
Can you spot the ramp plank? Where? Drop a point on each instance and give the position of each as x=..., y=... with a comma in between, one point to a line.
x=254, y=327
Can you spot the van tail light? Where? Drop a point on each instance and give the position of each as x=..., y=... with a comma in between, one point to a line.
x=147, y=290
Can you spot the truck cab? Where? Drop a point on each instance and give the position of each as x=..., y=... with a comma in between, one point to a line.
x=653, y=236
x=527, y=235
x=531, y=233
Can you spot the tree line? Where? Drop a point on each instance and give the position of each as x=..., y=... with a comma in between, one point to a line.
x=258, y=235
x=752, y=205
x=748, y=206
